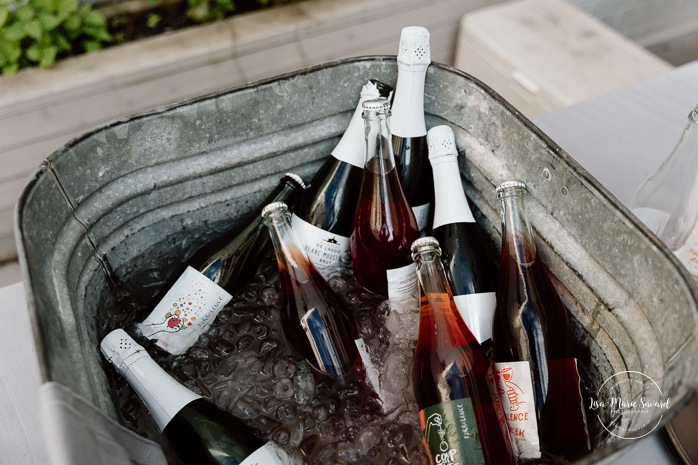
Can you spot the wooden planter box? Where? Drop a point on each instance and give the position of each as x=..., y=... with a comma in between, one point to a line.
x=40, y=110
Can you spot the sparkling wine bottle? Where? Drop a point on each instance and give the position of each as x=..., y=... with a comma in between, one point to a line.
x=213, y=275
x=323, y=217
x=459, y=410
x=408, y=126
x=667, y=201
x=384, y=225
x=199, y=432
x=535, y=369
x=316, y=321
x=468, y=257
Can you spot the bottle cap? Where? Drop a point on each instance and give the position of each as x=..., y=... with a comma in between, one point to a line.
x=425, y=244
x=296, y=178
x=121, y=350
x=441, y=142
x=508, y=188
x=414, y=46
x=380, y=104
x=274, y=207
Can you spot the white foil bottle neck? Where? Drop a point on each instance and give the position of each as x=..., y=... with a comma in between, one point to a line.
x=450, y=204
x=414, y=56
x=161, y=393
x=351, y=148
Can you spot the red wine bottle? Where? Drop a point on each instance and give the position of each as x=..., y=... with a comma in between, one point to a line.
x=459, y=411
x=323, y=218
x=408, y=126
x=199, y=432
x=316, y=321
x=468, y=257
x=535, y=368
x=212, y=276
x=384, y=225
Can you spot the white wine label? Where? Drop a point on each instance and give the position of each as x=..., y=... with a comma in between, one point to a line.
x=421, y=214
x=515, y=389
x=324, y=249
x=186, y=311
x=268, y=454
x=402, y=282
x=477, y=310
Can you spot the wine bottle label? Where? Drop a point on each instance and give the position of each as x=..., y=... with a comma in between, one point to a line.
x=421, y=214
x=327, y=359
x=324, y=249
x=515, y=389
x=450, y=433
x=268, y=454
x=477, y=310
x=402, y=282
x=186, y=311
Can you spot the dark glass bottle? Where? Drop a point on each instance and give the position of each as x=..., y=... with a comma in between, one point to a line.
x=316, y=321
x=212, y=276
x=535, y=368
x=408, y=126
x=228, y=262
x=459, y=412
x=199, y=432
x=468, y=257
x=323, y=217
x=384, y=225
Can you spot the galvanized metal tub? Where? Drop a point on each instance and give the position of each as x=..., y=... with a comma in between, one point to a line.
x=141, y=191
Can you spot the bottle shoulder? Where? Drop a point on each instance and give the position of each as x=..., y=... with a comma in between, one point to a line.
x=330, y=200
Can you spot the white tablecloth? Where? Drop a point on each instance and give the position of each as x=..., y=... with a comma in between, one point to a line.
x=620, y=138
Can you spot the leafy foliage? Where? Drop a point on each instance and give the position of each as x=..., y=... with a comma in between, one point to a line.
x=37, y=32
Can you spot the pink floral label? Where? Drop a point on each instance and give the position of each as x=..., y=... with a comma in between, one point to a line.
x=186, y=311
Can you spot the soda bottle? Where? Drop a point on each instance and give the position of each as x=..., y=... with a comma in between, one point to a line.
x=468, y=257
x=212, y=276
x=200, y=433
x=459, y=411
x=316, y=321
x=535, y=368
x=323, y=217
x=407, y=123
x=667, y=201
x=384, y=225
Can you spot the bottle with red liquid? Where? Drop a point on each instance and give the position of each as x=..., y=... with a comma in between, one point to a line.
x=323, y=217
x=316, y=321
x=536, y=372
x=384, y=226
x=459, y=411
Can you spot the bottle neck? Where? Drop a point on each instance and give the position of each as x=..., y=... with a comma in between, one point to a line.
x=291, y=257
x=450, y=204
x=351, y=147
x=407, y=119
x=161, y=393
x=437, y=306
x=517, y=234
x=379, y=147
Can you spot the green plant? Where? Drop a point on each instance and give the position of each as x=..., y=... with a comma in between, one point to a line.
x=202, y=11
x=36, y=32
